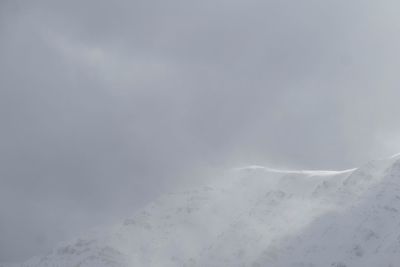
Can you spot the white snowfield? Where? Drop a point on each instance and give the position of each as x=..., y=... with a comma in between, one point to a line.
x=256, y=217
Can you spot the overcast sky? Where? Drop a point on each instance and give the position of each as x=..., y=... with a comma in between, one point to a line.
x=106, y=104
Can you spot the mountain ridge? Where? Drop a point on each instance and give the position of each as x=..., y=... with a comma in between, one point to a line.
x=257, y=216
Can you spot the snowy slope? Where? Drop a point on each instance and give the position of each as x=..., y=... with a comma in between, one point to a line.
x=256, y=216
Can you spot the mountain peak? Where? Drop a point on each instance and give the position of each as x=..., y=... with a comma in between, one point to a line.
x=257, y=216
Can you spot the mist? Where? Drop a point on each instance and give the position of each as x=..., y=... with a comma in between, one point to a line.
x=106, y=105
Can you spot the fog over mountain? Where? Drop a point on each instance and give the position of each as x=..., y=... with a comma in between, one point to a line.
x=106, y=105
x=255, y=216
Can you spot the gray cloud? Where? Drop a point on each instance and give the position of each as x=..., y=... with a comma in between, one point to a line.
x=105, y=105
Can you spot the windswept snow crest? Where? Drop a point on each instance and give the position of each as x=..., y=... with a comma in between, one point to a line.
x=257, y=216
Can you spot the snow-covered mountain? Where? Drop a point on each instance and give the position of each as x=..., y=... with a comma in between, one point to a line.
x=255, y=216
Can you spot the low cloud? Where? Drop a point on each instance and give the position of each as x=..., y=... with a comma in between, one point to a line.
x=104, y=106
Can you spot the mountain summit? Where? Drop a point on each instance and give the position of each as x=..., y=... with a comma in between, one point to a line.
x=256, y=217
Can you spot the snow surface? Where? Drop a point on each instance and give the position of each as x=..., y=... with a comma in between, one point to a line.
x=256, y=216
